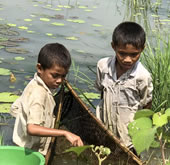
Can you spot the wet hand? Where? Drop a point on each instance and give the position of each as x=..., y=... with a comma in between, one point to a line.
x=74, y=139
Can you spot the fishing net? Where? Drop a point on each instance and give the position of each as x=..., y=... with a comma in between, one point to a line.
x=77, y=118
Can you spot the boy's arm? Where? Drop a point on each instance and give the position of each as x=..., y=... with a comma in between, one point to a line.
x=36, y=130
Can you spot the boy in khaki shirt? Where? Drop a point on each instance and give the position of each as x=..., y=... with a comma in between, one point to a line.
x=33, y=110
x=125, y=85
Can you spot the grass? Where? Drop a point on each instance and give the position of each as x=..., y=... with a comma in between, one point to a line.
x=156, y=58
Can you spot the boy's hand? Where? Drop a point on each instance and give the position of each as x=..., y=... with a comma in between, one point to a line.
x=74, y=139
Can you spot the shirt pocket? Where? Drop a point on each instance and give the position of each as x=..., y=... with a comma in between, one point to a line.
x=129, y=94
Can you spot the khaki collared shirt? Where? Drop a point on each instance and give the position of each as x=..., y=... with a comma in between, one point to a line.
x=34, y=106
x=121, y=97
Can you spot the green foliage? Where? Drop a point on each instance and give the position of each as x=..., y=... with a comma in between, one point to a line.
x=156, y=58
x=150, y=130
x=78, y=150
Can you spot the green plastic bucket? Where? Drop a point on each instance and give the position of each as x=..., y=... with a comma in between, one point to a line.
x=13, y=155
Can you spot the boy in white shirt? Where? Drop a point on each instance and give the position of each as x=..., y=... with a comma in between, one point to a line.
x=34, y=125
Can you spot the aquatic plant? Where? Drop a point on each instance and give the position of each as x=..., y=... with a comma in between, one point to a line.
x=151, y=129
x=101, y=152
x=156, y=58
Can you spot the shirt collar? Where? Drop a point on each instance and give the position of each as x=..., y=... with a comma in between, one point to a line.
x=41, y=82
x=112, y=69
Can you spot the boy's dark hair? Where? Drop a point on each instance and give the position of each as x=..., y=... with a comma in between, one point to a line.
x=129, y=33
x=54, y=53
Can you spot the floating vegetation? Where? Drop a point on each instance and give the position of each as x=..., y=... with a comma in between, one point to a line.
x=21, y=39
x=44, y=19
x=71, y=38
x=9, y=32
x=27, y=20
x=76, y=20
x=19, y=58
x=96, y=25
x=58, y=16
x=11, y=24
x=82, y=7
x=4, y=26
x=23, y=27
x=17, y=50
x=5, y=108
x=8, y=44
x=12, y=78
x=49, y=34
x=8, y=97
x=3, y=39
x=57, y=24
x=4, y=72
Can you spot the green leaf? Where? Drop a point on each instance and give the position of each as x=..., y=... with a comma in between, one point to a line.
x=8, y=97
x=44, y=19
x=78, y=150
x=91, y=95
x=167, y=112
x=143, y=113
x=4, y=108
x=159, y=119
x=4, y=71
x=155, y=144
x=138, y=125
x=143, y=139
x=19, y=58
x=57, y=24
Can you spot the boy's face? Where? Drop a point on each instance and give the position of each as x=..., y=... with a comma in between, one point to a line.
x=126, y=56
x=53, y=76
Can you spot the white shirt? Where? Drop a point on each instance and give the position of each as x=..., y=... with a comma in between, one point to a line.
x=121, y=97
x=34, y=106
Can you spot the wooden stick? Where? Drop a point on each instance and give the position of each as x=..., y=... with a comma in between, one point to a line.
x=56, y=126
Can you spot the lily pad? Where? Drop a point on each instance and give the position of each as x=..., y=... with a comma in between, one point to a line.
x=8, y=97
x=19, y=58
x=44, y=19
x=21, y=39
x=17, y=50
x=4, y=26
x=23, y=27
x=9, y=32
x=57, y=24
x=5, y=108
x=11, y=25
x=8, y=44
x=72, y=38
x=4, y=72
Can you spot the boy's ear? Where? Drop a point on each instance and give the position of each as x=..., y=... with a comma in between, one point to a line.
x=39, y=68
x=113, y=46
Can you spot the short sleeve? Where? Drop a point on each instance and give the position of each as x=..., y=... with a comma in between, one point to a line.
x=145, y=89
x=98, y=79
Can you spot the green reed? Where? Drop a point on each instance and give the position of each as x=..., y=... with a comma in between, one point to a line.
x=156, y=58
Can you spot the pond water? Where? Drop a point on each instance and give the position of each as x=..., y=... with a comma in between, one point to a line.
x=84, y=26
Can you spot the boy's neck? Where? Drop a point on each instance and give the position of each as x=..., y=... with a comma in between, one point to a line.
x=120, y=71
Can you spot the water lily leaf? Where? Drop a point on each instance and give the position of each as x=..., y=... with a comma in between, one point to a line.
x=61, y=6
x=4, y=71
x=71, y=38
x=5, y=108
x=76, y=20
x=44, y=19
x=143, y=113
x=23, y=27
x=88, y=10
x=27, y=20
x=19, y=58
x=96, y=25
x=49, y=34
x=11, y=24
x=35, y=5
x=77, y=150
x=30, y=31
x=159, y=119
x=21, y=39
x=67, y=7
x=17, y=50
x=3, y=39
x=91, y=95
x=57, y=24
x=8, y=44
x=57, y=9
x=8, y=97
x=8, y=32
